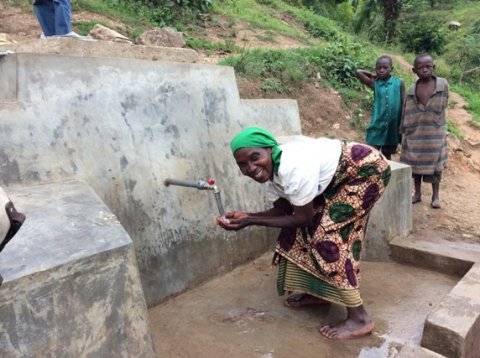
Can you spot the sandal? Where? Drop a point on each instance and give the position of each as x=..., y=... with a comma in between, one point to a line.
x=303, y=299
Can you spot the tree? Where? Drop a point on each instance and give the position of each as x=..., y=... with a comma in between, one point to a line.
x=391, y=10
x=391, y=13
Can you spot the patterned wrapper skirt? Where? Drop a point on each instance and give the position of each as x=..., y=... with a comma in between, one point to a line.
x=323, y=259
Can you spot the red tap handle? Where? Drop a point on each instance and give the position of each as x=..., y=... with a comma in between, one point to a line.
x=211, y=181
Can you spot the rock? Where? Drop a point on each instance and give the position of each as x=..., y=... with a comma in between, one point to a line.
x=5, y=39
x=454, y=25
x=100, y=32
x=164, y=37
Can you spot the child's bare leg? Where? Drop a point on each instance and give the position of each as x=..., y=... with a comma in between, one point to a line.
x=357, y=324
x=417, y=197
x=435, y=196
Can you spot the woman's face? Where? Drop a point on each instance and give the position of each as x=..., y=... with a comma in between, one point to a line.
x=255, y=163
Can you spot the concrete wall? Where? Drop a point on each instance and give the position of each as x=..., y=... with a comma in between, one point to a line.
x=123, y=126
x=71, y=283
x=391, y=216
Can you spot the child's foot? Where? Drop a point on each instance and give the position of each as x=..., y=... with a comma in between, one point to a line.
x=436, y=204
x=303, y=299
x=416, y=198
x=347, y=329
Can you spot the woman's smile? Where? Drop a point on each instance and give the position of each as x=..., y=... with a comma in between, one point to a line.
x=255, y=163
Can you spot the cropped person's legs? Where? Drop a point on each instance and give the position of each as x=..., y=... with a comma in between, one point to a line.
x=63, y=17
x=46, y=16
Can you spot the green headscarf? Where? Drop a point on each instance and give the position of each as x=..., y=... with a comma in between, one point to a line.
x=254, y=137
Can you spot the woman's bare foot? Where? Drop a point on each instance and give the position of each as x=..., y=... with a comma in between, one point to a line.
x=303, y=299
x=357, y=324
x=347, y=329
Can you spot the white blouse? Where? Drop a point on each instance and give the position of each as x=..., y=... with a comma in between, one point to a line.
x=306, y=168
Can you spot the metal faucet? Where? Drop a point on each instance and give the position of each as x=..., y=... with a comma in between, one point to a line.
x=200, y=185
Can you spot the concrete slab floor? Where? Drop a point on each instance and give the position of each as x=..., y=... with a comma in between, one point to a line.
x=240, y=315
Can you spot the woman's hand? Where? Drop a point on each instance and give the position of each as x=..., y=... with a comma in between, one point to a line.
x=233, y=220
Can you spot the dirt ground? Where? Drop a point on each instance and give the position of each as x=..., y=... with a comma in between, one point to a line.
x=323, y=113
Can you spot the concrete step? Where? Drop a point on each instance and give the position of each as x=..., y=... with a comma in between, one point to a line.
x=411, y=351
x=434, y=251
x=67, y=46
x=453, y=327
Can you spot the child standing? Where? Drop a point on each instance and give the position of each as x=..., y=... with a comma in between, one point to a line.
x=424, y=145
x=383, y=131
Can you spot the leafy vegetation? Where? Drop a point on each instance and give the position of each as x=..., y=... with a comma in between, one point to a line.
x=286, y=70
x=421, y=34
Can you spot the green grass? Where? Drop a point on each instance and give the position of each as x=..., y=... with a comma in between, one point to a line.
x=268, y=16
x=257, y=15
x=83, y=27
x=473, y=100
x=453, y=129
x=210, y=47
x=291, y=68
x=268, y=36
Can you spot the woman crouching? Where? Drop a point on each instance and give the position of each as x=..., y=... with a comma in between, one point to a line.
x=322, y=192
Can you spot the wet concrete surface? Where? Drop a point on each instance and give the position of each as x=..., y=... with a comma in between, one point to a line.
x=240, y=315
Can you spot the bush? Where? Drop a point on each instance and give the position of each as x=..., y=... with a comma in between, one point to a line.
x=476, y=27
x=442, y=69
x=283, y=71
x=423, y=35
x=279, y=71
x=463, y=56
x=320, y=27
x=340, y=59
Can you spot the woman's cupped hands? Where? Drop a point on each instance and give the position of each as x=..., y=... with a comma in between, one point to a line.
x=233, y=220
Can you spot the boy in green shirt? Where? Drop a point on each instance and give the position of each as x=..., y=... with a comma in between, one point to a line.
x=383, y=131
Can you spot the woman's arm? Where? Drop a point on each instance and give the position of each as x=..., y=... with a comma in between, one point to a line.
x=280, y=207
x=275, y=217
